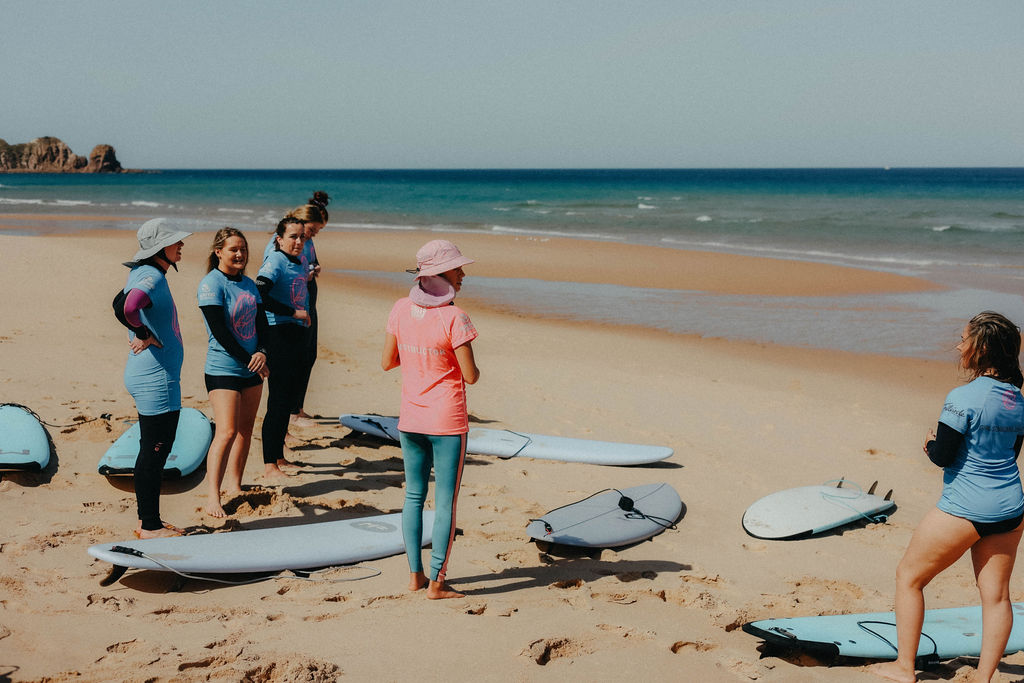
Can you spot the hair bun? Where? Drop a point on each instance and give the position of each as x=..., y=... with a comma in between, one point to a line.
x=320, y=199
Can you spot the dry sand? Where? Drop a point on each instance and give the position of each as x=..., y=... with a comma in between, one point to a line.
x=744, y=419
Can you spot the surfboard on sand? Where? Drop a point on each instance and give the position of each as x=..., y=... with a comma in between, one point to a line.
x=24, y=442
x=947, y=633
x=808, y=510
x=508, y=444
x=610, y=519
x=300, y=546
x=191, y=442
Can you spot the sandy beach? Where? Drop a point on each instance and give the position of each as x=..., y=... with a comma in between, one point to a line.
x=744, y=419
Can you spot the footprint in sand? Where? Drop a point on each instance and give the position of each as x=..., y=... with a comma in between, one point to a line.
x=547, y=649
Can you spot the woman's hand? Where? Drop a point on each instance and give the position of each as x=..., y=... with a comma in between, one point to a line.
x=928, y=440
x=139, y=345
x=301, y=314
x=257, y=363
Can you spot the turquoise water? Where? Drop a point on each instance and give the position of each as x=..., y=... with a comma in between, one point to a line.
x=961, y=227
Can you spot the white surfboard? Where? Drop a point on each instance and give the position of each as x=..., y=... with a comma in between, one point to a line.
x=947, y=633
x=505, y=443
x=299, y=546
x=809, y=510
x=610, y=519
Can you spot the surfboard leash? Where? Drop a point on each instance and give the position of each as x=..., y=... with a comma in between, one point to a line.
x=934, y=656
x=293, y=573
x=626, y=504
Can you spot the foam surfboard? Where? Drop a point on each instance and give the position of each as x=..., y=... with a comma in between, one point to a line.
x=606, y=520
x=508, y=444
x=947, y=633
x=24, y=442
x=299, y=546
x=191, y=442
x=808, y=510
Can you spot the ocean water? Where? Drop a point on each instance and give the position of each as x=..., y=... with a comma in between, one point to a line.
x=963, y=228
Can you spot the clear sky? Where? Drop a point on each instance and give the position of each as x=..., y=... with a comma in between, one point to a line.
x=518, y=83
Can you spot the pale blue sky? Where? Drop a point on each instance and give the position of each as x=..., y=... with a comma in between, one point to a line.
x=422, y=84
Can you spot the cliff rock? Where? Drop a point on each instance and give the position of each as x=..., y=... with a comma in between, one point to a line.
x=51, y=155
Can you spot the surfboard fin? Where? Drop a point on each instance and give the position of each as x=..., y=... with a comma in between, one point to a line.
x=116, y=572
x=888, y=496
x=871, y=490
x=839, y=485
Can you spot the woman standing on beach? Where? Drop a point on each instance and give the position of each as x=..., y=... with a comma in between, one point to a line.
x=430, y=338
x=314, y=216
x=282, y=284
x=236, y=362
x=152, y=374
x=977, y=442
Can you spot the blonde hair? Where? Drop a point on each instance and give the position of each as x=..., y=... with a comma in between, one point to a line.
x=992, y=343
x=314, y=210
x=218, y=243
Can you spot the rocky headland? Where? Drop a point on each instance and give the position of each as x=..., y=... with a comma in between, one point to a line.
x=52, y=155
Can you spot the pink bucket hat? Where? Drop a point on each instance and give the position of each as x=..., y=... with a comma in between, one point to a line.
x=438, y=256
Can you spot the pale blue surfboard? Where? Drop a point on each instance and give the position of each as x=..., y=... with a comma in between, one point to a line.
x=947, y=633
x=297, y=546
x=506, y=443
x=24, y=443
x=191, y=442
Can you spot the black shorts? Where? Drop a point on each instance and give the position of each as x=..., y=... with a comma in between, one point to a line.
x=232, y=383
x=992, y=528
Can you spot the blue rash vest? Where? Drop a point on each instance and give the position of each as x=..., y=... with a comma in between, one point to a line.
x=983, y=483
x=290, y=285
x=240, y=300
x=153, y=377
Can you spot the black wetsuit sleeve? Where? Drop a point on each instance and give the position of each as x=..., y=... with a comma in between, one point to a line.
x=216, y=318
x=942, y=451
x=262, y=329
x=269, y=303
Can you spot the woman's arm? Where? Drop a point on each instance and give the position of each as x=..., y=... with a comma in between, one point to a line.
x=943, y=445
x=389, y=358
x=216, y=320
x=467, y=363
x=270, y=303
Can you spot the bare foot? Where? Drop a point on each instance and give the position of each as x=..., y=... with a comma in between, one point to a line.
x=439, y=590
x=287, y=465
x=275, y=473
x=893, y=671
x=156, y=533
x=417, y=580
x=214, y=509
x=302, y=421
x=233, y=491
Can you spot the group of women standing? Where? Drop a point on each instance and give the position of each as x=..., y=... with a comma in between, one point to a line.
x=267, y=330
x=257, y=330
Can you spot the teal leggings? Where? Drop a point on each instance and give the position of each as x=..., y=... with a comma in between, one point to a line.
x=447, y=456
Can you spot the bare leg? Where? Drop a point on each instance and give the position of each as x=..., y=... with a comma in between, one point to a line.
x=246, y=416
x=939, y=540
x=225, y=412
x=993, y=558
